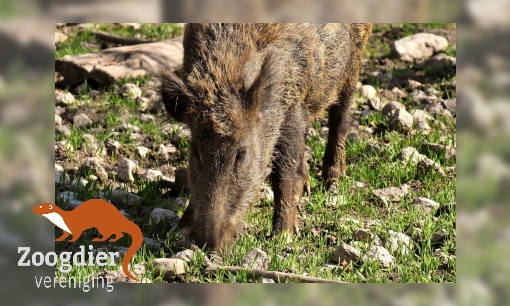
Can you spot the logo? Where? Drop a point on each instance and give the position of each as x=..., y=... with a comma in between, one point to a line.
x=102, y=215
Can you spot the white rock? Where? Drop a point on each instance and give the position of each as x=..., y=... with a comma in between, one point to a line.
x=152, y=175
x=398, y=242
x=151, y=243
x=366, y=236
x=125, y=169
x=418, y=46
x=368, y=92
x=64, y=98
x=380, y=255
x=425, y=204
x=393, y=194
x=266, y=193
x=81, y=120
x=122, y=196
x=390, y=107
x=169, y=267
x=410, y=155
x=161, y=215
x=256, y=259
x=346, y=252
x=142, y=151
x=400, y=119
x=58, y=120
x=130, y=90
x=186, y=255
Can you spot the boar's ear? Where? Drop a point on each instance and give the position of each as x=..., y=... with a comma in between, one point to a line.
x=264, y=83
x=174, y=95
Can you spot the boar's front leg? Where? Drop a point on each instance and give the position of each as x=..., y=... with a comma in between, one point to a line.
x=334, y=163
x=289, y=174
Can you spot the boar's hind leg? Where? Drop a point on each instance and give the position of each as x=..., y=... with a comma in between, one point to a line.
x=289, y=174
x=334, y=164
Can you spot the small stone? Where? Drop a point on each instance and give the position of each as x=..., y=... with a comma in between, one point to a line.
x=147, y=118
x=422, y=127
x=268, y=281
x=170, y=148
x=58, y=120
x=161, y=150
x=59, y=110
x=440, y=61
x=398, y=242
x=112, y=146
x=81, y=120
x=433, y=108
x=418, y=46
x=151, y=243
x=65, y=145
x=125, y=169
x=62, y=130
x=375, y=103
x=142, y=151
x=425, y=204
x=152, y=175
x=346, y=252
x=391, y=194
x=266, y=193
x=79, y=182
x=179, y=203
x=368, y=92
x=410, y=155
x=92, y=165
x=177, y=138
x=400, y=119
x=420, y=115
x=60, y=37
x=129, y=128
x=135, y=136
x=161, y=215
x=428, y=147
x=451, y=105
x=426, y=166
x=366, y=236
x=169, y=267
x=186, y=255
x=444, y=113
x=390, y=107
x=64, y=98
x=380, y=255
x=439, y=237
x=412, y=84
x=131, y=90
x=124, y=197
x=256, y=259
x=431, y=91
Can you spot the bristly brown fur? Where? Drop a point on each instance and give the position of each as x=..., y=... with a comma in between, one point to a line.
x=247, y=93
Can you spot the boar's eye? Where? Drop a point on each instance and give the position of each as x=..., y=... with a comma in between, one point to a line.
x=239, y=157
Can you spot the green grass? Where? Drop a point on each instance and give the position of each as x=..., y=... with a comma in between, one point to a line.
x=319, y=221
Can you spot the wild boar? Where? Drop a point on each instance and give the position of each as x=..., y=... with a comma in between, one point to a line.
x=247, y=92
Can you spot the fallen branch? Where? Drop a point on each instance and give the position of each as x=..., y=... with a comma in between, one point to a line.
x=278, y=277
x=119, y=39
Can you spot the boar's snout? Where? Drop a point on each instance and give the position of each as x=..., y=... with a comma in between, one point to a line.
x=215, y=232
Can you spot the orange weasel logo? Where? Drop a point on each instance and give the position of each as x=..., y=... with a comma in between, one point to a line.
x=94, y=213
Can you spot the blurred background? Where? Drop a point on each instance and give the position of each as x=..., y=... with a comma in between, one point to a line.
x=27, y=146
